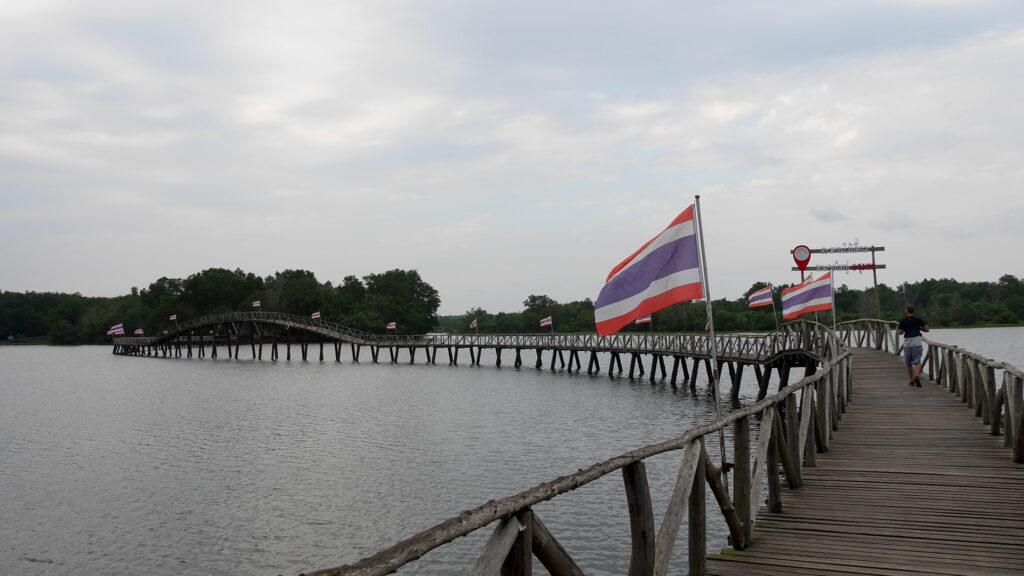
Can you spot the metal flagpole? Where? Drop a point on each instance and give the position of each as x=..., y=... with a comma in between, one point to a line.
x=711, y=335
x=775, y=313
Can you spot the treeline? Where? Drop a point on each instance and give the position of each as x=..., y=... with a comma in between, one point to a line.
x=366, y=304
x=941, y=303
x=401, y=296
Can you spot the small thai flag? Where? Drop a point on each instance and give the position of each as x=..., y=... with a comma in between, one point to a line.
x=138, y=332
x=808, y=296
x=762, y=297
x=392, y=325
x=545, y=322
x=473, y=323
x=316, y=315
x=116, y=329
x=174, y=317
x=643, y=319
x=256, y=304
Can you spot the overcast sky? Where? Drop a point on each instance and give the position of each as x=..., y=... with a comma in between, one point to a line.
x=504, y=149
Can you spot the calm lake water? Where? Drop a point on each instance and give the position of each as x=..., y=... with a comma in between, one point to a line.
x=117, y=465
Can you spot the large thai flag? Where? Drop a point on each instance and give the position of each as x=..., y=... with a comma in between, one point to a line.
x=762, y=297
x=392, y=326
x=545, y=322
x=116, y=329
x=256, y=304
x=472, y=324
x=173, y=318
x=808, y=296
x=315, y=316
x=661, y=273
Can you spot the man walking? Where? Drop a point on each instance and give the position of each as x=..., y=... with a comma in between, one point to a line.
x=911, y=327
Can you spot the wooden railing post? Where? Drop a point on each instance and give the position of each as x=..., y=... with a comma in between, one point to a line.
x=1018, y=434
x=641, y=519
x=519, y=561
x=993, y=408
x=793, y=441
x=698, y=529
x=550, y=552
x=674, y=514
x=741, y=479
x=771, y=461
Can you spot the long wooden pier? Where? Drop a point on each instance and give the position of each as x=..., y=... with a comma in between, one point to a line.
x=914, y=485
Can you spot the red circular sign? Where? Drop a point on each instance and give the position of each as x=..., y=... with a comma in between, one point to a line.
x=802, y=255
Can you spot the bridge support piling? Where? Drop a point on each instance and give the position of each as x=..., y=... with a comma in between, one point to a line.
x=497, y=356
x=737, y=377
x=412, y=355
x=561, y=359
x=472, y=357
x=519, y=358
x=554, y=356
x=288, y=344
x=273, y=347
x=304, y=346
x=337, y=350
x=321, y=348
x=695, y=371
x=654, y=367
x=540, y=359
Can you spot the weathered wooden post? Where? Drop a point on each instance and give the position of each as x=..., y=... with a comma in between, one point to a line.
x=698, y=526
x=741, y=479
x=641, y=519
x=772, y=468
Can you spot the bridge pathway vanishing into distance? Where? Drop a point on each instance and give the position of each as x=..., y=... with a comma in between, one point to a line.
x=918, y=482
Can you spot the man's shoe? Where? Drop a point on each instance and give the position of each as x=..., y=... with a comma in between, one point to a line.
x=917, y=381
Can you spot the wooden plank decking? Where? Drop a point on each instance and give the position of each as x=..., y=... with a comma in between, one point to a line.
x=913, y=484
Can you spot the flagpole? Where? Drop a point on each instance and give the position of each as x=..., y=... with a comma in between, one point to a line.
x=711, y=333
x=775, y=313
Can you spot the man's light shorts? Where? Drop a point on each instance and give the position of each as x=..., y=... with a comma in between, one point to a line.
x=912, y=355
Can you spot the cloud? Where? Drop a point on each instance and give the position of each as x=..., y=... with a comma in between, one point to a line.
x=472, y=133
x=827, y=215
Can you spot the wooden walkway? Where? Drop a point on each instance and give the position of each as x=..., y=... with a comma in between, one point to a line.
x=913, y=484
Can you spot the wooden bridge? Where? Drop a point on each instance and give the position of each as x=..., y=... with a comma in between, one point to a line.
x=796, y=344
x=905, y=481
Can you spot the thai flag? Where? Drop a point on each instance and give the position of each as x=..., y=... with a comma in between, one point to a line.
x=256, y=304
x=762, y=297
x=808, y=296
x=116, y=329
x=392, y=325
x=472, y=325
x=173, y=318
x=316, y=316
x=663, y=272
x=138, y=332
x=545, y=322
x=643, y=319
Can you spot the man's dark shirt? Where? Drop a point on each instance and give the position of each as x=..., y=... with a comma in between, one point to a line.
x=911, y=326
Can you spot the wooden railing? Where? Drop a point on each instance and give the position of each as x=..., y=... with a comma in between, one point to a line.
x=869, y=333
x=795, y=423
x=995, y=390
